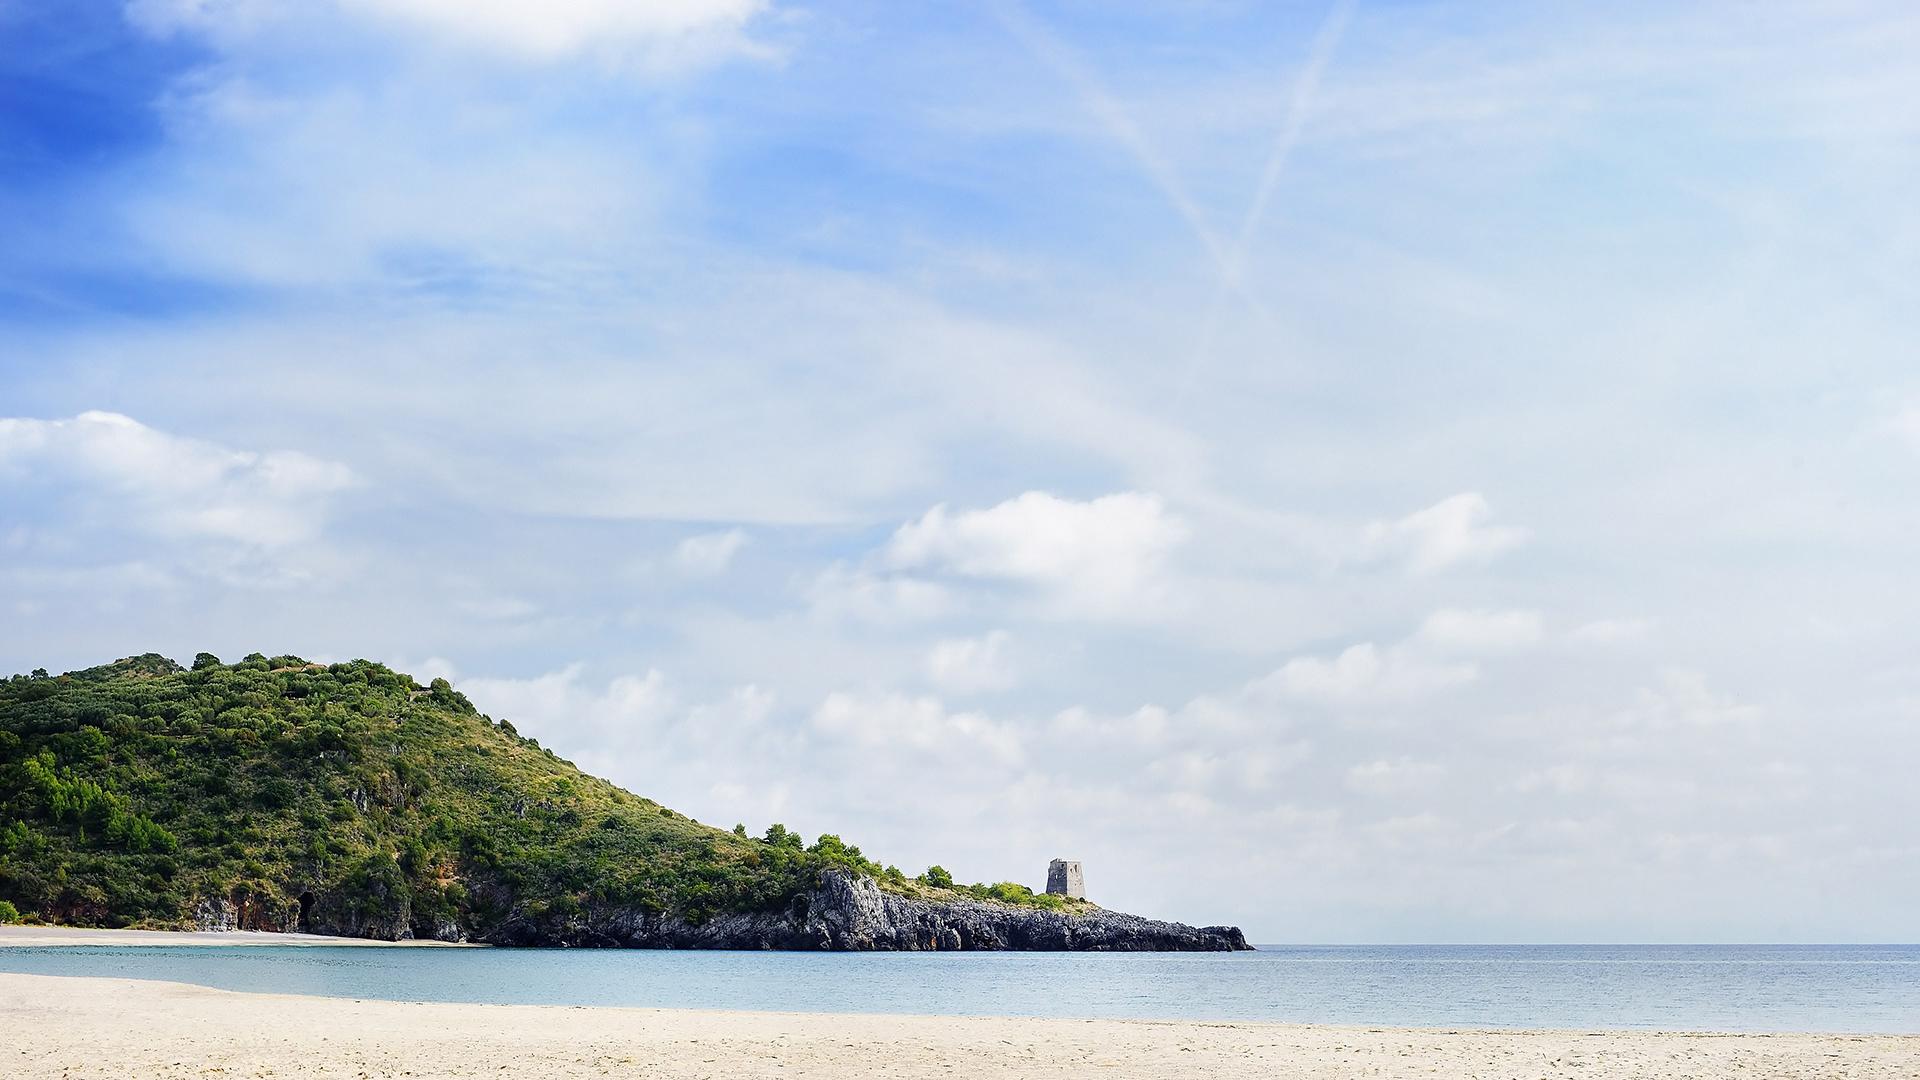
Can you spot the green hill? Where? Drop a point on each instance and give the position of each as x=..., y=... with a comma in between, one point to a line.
x=347, y=798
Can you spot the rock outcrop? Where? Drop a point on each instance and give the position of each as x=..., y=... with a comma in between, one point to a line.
x=849, y=912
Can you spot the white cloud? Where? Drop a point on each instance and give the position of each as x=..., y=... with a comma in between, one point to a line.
x=642, y=733
x=1611, y=631
x=842, y=592
x=1905, y=426
x=1100, y=557
x=628, y=718
x=559, y=707
x=1564, y=779
x=529, y=29
x=1476, y=632
x=172, y=485
x=1148, y=725
x=1398, y=776
x=743, y=708
x=426, y=670
x=1451, y=532
x=1683, y=700
x=921, y=723
x=709, y=553
x=966, y=665
x=548, y=29
x=1364, y=674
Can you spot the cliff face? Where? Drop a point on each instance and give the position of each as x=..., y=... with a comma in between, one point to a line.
x=846, y=913
x=849, y=913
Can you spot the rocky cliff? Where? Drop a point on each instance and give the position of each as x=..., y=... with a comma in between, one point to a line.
x=846, y=913
x=849, y=912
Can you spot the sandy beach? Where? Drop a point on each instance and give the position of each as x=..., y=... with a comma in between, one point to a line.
x=75, y=1028
x=79, y=935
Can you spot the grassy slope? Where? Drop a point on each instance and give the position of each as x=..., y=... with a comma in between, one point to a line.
x=132, y=791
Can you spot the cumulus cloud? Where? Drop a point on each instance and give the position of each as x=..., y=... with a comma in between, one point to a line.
x=1365, y=674
x=639, y=730
x=1449, y=533
x=922, y=723
x=708, y=554
x=1099, y=557
x=1147, y=726
x=1476, y=632
x=966, y=665
x=172, y=485
x=562, y=707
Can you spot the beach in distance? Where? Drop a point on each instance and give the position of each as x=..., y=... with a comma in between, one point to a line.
x=105, y=1029
x=58, y=936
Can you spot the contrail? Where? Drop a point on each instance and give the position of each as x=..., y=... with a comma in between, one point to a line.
x=1107, y=109
x=1325, y=40
x=1332, y=29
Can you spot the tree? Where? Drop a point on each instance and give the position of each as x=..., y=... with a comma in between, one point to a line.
x=937, y=877
x=778, y=836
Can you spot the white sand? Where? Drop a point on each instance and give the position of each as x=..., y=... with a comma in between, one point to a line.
x=78, y=1028
x=74, y=935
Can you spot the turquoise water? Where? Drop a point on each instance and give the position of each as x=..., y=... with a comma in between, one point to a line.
x=1855, y=988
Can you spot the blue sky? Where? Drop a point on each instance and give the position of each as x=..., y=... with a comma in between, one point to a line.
x=1363, y=471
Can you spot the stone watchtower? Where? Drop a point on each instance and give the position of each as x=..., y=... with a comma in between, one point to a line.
x=1063, y=879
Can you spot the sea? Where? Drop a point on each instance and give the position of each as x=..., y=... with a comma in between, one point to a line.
x=1734, y=988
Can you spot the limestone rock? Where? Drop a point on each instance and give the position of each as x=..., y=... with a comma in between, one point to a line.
x=850, y=913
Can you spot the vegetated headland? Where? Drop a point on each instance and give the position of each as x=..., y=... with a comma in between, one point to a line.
x=348, y=799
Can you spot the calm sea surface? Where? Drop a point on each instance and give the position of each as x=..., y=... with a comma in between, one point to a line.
x=1859, y=988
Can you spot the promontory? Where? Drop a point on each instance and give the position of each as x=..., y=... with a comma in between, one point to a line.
x=276, y=794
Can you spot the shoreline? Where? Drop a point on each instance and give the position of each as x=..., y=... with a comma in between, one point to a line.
x=22, y=936
x=78, y=1027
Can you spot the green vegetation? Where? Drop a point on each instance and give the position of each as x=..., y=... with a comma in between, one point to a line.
x=352, y=798
x=8, y=913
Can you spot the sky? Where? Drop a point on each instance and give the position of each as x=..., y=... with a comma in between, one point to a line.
x=1361, y=471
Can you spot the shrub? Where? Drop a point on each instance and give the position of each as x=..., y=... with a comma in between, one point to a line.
x=8, y=913
x=131, y=791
